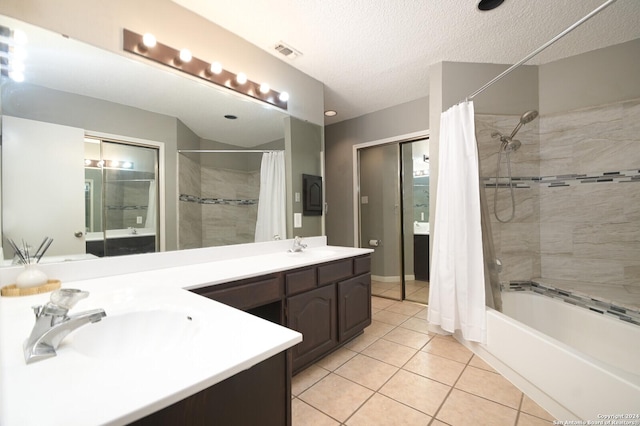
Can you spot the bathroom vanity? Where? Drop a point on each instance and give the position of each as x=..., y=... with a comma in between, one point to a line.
x=201, y=338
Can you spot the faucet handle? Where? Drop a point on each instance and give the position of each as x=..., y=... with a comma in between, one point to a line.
x=66, y=298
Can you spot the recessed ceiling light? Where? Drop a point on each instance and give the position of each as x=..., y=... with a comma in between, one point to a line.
x=330, y=113
x=485, y=5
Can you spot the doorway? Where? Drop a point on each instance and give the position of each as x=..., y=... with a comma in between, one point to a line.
x=393, y=216
x=121, y=197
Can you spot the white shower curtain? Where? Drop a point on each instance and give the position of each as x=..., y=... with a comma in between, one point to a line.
x=457, y=293
x=271, y=202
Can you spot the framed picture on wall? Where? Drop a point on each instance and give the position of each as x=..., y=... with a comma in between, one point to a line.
x=311, y=195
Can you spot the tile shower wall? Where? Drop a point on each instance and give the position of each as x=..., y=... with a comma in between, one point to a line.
x=190, y=222
x=233, y=222
x=590, y=196
x=517, y=243
x=577, y=178
x=217, y=206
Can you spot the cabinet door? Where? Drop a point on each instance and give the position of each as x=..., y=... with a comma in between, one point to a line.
x=354, y=306
x=314, y=315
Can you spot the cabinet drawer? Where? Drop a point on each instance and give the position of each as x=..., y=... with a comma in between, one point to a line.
x=246, y=296
x=335, y=271
x=297, y=282
x=361, y=265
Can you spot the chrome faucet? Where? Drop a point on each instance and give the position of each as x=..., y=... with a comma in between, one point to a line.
x=297, y=245
x=53, y=324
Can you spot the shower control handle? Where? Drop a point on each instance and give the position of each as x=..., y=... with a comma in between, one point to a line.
x=78, y=234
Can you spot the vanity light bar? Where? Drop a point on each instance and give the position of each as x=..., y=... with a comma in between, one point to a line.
x=108, y=164
x=133, y=43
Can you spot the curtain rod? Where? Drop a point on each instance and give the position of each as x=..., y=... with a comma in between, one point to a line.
x=202, y=151
x=541, y=48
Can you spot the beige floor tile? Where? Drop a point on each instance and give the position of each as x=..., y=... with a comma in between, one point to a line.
x=336, y=396
x=303, y=414
x=367, y=371
x=405, y=308
x=336, y=359
x=390, y=352
x=525, y=419
x=378, y=329
x=395, y=293
x=435, y=367
x=421, y=296
x=383, y=411
x=422, y=314
x=307, y=378
x=407, y=337
x=416, y=324
x=361, y=342
x=478, y=362
x=529, y=406
x=448, y=349
x=435, y=422
x=463, y=409
x=490, y=386
x=380, y=303
x=416, y=391
x=389, y=317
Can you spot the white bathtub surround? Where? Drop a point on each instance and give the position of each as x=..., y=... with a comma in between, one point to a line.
x=271, y=218
x=84, y=386
x=575, y=363
x=457, y=287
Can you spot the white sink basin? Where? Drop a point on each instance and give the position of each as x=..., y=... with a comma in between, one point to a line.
x=135, y=334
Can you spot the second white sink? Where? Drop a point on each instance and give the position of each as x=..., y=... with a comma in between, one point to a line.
x=135, y=334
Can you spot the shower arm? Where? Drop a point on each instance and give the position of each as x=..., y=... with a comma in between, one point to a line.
x=540, y=49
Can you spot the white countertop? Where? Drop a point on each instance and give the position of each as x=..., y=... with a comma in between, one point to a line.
x=78, y=387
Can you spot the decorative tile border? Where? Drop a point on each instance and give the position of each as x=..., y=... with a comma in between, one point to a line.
x=127, y=207
x=220, y=201
x=623, y=176
x=605, y=308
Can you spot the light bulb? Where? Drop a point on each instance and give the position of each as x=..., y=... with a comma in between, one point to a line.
x=127, y=165
x=264, y=88
x=241, y=78
x=87, y=162
x=185, y=55
x=16, y=76
x=19, y=37
x=284, y=97
x=149, y=40
x=216, y=67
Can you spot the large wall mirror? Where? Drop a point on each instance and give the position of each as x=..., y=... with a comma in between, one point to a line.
x=69, y=84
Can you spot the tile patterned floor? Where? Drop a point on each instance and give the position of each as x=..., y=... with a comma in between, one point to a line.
x=396, y=373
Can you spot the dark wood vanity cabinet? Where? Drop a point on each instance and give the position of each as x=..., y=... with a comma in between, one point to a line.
x=314, y=314
x=329, y=304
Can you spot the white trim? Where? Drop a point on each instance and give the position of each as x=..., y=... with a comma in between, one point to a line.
x=160, y=146
x=356, y=181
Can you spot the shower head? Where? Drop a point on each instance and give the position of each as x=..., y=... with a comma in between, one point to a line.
x=527, y=117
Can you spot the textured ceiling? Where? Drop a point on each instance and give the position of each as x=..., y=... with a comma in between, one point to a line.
x=372, y=54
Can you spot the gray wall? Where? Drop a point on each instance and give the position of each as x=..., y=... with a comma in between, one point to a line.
x=339, y=140
x=303, y=141
x=594, y=78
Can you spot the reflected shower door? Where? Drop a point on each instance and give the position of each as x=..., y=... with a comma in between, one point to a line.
x=379, y=184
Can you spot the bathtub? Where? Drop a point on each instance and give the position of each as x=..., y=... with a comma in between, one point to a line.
x=577, y=364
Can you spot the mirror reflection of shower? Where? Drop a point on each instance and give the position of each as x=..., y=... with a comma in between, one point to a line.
x=507, y=146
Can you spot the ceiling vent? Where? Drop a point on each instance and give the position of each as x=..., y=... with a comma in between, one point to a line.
x=287, y=51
